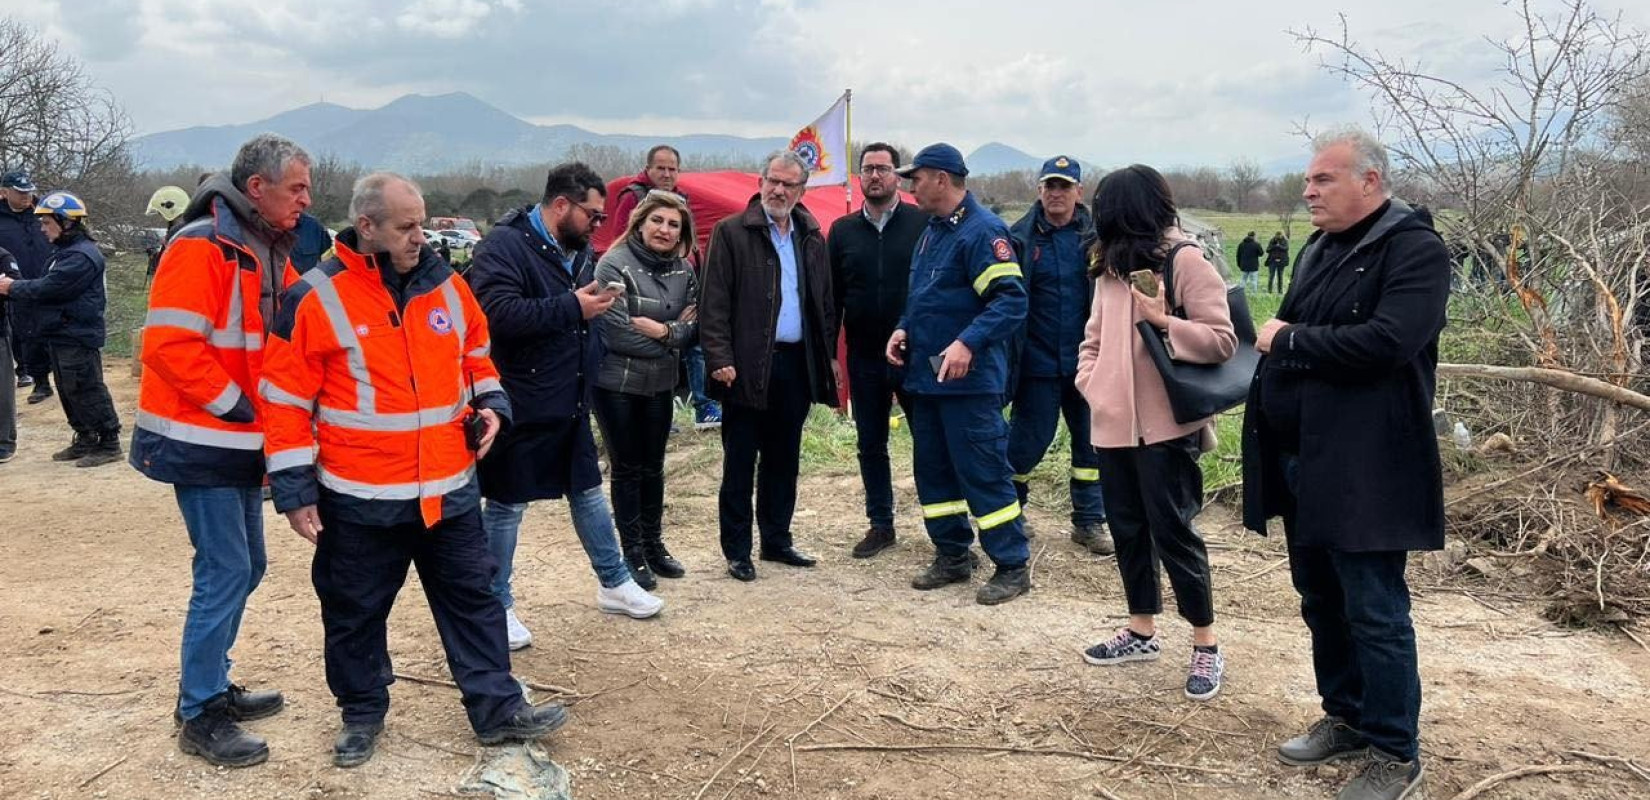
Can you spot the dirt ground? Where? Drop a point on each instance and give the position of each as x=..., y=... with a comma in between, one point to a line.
x=836, y=682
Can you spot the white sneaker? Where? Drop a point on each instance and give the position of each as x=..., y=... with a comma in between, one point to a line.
x=628, y=599
x=518, y=634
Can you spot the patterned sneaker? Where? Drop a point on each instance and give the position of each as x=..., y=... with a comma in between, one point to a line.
x=1203, y=680
x=1126, y=646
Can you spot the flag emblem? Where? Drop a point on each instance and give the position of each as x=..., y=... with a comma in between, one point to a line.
x=806, y=143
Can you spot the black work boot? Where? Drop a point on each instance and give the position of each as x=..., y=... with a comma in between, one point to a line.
x=42, y=391
x=78, y=448
x=1094, y=537
x=630, y=543
x=531, y=722
x=212, y=735
x=946, y=570
x=355, y=743
x=106, y=450
x=658, y=558
x=1005, y=585
x=877, y=539
x=244, y=705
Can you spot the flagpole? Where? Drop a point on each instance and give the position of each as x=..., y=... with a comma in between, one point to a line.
x=848, y=125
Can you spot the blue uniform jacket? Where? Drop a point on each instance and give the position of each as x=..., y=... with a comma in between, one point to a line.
x=67, y=302
x=965, y=286
x=1056, y=276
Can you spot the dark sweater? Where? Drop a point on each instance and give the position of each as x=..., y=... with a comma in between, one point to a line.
x=871, y=272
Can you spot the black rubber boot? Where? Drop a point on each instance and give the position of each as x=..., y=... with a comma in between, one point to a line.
x=215, y=737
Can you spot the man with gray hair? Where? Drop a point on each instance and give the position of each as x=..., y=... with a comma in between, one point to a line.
x=197, y=428
x=380, y=395
x=1337, y=440
x=769, y=333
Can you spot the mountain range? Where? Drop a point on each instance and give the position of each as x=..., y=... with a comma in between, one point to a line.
x=422, y=135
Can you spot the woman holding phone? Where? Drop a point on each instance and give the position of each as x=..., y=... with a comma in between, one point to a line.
x=1152, y=485
x=645, y=331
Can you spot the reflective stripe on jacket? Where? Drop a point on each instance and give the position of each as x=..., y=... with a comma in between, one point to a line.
x=366, y=389
x=202, y=354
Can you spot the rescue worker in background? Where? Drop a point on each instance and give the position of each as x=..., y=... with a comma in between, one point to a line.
x=168, y=202
x=870, y=254
x=197, y=426
x=966, y=300
x=1049, y=241
x=664, y=164
x=68, y=302
x=371, y=452
x=21, y=235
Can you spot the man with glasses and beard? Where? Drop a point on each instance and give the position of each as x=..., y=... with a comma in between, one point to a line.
x=769, y=333
x=534, y=277
x=870, y=269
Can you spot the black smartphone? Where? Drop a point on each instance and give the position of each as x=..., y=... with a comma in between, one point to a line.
x=935, y=362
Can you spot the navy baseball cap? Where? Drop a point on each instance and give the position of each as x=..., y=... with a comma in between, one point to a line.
x=940, y=156
x=1064, y=168
x=17, y=179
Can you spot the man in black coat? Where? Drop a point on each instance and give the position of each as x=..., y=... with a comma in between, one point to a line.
x=769, y=334
x=870, y=255
x=8, y=398
x=1249, y=252
x=534, y=276
x=20, y=233
x=1338, y=440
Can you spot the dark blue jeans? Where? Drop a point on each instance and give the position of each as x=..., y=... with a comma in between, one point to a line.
x=226, y=528
x=1356, y=606
x=872, y=387
x=693, y=360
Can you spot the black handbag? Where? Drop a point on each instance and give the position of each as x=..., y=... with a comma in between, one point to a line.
x=1197, y=391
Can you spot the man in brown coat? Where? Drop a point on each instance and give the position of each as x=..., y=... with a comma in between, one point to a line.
x=769, y=335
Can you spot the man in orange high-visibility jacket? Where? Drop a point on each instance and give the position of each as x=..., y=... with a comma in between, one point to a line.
x=197, y=426
x=377, y=362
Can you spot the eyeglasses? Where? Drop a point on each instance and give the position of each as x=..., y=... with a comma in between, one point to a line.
x=789, y=185
x=597, y=216
x=876, y=169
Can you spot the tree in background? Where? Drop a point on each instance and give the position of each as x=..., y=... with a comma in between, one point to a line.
x=66, y=131
x=1283, y=199
x=1243, y=181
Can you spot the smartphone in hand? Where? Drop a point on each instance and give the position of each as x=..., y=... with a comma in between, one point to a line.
x=1145, y=280
x=935, y=362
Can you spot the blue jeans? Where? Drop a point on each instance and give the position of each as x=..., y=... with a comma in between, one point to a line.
x=693, y=360
x=1356, y=605
x=591, y=519
x=1251, y=282
x=226, y=528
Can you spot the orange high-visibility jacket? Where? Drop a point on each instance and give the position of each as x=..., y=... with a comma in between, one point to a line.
x=202, y=353
x=366, y=389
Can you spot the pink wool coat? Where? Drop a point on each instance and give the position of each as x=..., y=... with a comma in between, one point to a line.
x=1128, y=405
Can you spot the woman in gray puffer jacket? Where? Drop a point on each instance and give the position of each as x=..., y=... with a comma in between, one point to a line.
x=645, y=332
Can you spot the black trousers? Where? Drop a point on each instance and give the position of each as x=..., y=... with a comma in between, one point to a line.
x=86, y=402
x=359, y=569
x=635, y=429
x=1152, y=494
x=873, y=386
x=1274, y=277
x=773, y=436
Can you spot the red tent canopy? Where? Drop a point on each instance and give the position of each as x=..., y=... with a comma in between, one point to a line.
x=714, y=195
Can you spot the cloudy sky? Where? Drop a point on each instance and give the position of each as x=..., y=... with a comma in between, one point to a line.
x=1189, y=82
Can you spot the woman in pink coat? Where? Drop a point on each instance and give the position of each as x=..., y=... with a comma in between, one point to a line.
x=1148, y=461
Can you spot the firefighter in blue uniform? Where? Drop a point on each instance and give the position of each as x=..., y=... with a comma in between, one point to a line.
x=1049, y=243
x=966, y=301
